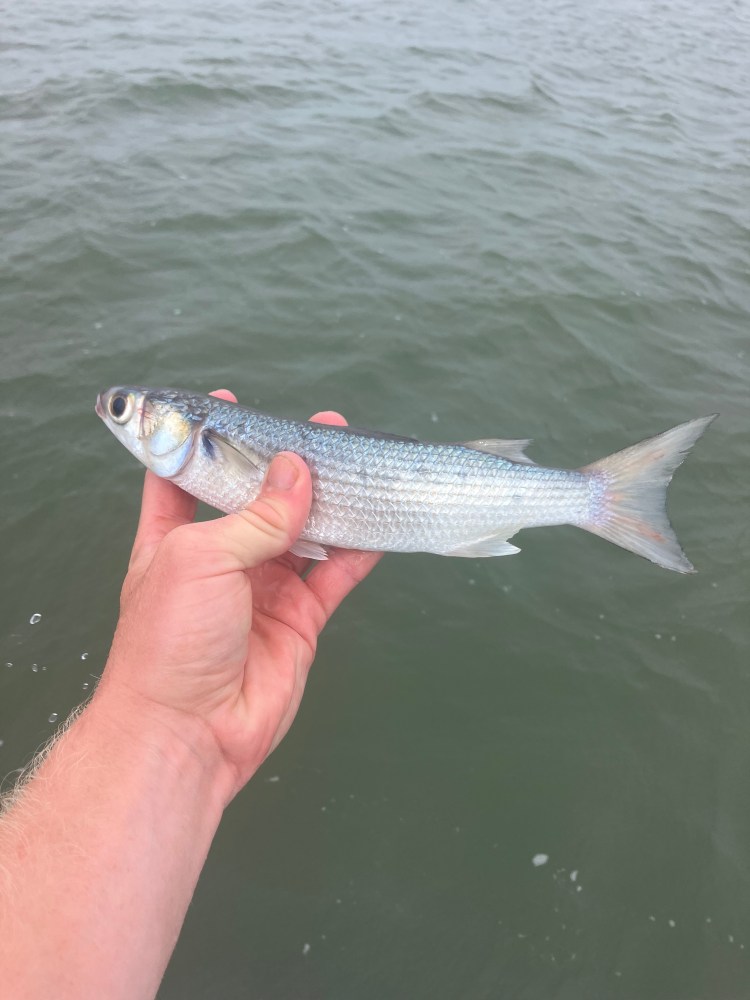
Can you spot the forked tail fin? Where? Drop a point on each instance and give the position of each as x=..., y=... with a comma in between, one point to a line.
x=632, y=510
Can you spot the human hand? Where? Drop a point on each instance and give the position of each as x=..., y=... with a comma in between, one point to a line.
x=218, y=620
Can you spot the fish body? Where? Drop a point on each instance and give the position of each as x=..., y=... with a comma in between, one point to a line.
x=384, y=492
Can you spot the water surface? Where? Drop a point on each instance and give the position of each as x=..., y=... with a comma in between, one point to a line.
x=454, y=221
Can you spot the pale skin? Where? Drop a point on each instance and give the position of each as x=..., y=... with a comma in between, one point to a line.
x=101, y=849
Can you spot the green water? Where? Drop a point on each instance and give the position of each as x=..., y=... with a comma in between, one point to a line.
x=458, y=220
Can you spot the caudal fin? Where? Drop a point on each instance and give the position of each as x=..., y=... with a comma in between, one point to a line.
x=632, y=511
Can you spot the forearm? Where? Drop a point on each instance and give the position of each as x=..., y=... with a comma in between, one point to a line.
x=101, y=851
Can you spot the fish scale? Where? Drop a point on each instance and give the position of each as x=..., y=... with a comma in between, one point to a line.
x=379, y=491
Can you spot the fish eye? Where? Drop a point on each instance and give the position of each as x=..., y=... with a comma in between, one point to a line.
x=120, y=407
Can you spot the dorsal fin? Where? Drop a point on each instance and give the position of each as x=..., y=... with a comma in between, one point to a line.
x=513, y=450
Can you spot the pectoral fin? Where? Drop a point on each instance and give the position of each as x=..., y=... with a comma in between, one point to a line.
x=244, y=462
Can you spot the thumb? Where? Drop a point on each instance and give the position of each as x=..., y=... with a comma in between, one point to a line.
x=271, y=524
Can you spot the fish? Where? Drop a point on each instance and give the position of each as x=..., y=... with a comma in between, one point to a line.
x=380, y=491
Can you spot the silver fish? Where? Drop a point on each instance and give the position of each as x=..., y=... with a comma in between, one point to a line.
x=381, y=491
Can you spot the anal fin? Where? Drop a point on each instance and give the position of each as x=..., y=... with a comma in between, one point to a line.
x=481, y=548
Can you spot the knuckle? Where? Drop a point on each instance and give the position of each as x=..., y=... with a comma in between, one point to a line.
x=177, y=546
x=269, y=519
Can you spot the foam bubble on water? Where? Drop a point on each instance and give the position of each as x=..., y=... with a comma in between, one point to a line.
x=652, y=918
x=8, y=664
x=657, y=635
x=539, y=859
x=177, y=312
x=434, y=418
x=274, y=777
x=574, y=875
x=671, y=923
x=85, y=686
x=35, y=668
x=84, y=656
x=1, y=742
x=36, y=617
x=53, y=717
x=305, y=948
x=730, y=938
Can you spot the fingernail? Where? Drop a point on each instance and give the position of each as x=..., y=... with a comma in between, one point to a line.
x=282, y=474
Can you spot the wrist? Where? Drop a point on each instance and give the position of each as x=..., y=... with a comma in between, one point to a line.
x=183, y=744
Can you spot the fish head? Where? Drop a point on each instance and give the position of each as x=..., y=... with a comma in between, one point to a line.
x=158, y=426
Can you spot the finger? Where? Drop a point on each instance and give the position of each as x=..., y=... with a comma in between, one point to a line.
x=273, y=521
x=328, y=417
x=224, y=394
x=164, y=506
x=344, y=569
